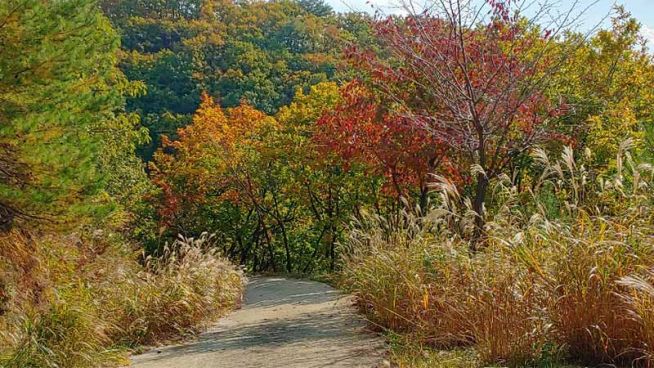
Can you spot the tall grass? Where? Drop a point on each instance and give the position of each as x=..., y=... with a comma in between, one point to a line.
x=63, y=335
x=176, y=294
x=566, y=272
x=639, y=298
x=87, y=298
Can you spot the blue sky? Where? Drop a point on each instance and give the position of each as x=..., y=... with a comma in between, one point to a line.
x=643, y=10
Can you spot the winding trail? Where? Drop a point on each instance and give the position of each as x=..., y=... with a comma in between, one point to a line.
x=284, y=323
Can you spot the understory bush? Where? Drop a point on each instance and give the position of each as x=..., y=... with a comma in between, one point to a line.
x=564, y=280
x=80, y=301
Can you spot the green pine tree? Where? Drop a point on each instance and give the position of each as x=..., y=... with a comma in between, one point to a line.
x=64, y=137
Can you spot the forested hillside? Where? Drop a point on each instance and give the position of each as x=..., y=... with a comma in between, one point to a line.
x=478, y=175
x=256, y=52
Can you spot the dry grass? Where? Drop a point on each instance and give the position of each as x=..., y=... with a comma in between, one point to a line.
x=407, y=281
x=435, y=291
x=573, y=286
x=176, y=294
x=77, y=302
x=580, y=278
x=638, y=294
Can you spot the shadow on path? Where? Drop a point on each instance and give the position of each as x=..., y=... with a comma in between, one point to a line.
x=283, y=323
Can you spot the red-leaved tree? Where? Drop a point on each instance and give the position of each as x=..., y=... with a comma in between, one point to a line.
x=361, y=128
x=472, y=76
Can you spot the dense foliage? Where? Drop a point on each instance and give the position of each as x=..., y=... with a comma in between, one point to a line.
x=411, y=153
x=73, y=290
x=262, y=183
x=259, y=52
x=282, y=196
x=62, y=103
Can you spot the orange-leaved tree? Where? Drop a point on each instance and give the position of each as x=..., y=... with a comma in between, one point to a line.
x=211, y=160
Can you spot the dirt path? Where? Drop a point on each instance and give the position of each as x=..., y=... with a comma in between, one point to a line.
x=283, y=323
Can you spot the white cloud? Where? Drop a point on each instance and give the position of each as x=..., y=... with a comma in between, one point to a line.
x=648, y=34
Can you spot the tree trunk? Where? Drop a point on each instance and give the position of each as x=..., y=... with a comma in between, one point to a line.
x=271, y=250
x=424, y=199
x=332, y=248
x=478, y=207
x=287, y=248
x=6, y=218
x=254, y=239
